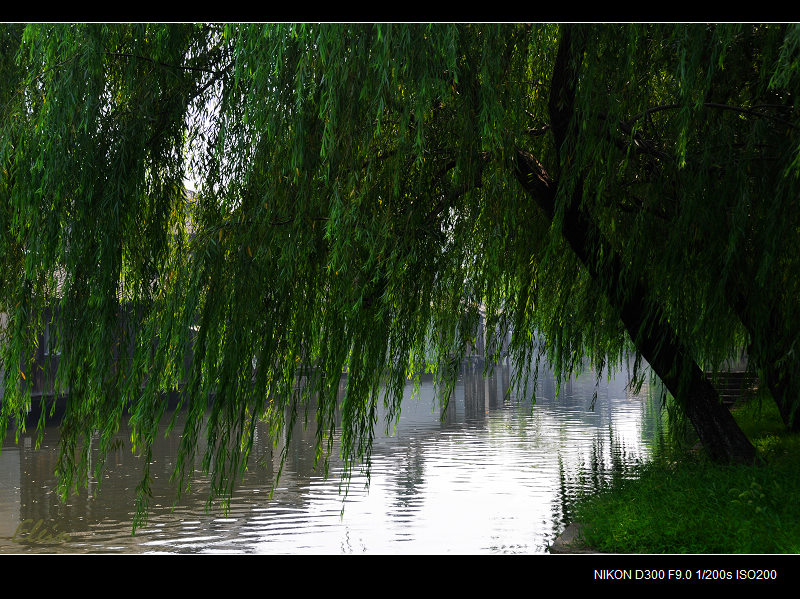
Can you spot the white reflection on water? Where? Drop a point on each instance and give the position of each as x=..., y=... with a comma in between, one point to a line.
x=492, y=476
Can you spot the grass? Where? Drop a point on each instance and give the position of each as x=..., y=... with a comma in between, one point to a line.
x=686, y=504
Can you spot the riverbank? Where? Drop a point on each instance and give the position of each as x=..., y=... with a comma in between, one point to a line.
x=571, y=541
x=685, y=504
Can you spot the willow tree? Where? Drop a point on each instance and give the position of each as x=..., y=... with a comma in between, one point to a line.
x=362, y=192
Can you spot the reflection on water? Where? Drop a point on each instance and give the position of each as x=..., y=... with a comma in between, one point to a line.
x=492, y=475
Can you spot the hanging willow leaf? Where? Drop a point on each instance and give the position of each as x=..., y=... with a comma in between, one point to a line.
x=675, y=146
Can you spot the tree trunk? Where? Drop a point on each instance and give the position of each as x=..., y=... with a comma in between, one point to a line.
x=781, y=378
x=649, y=330
x=654, y=338
x=783, y=384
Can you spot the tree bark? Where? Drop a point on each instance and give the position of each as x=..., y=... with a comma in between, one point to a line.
x=654, y=338
x=769, y=347
x=781, y=378
x=648, y=328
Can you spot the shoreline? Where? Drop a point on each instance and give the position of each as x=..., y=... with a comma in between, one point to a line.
x=571, y=541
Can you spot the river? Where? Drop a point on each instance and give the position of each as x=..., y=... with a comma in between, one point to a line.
x=493, y=475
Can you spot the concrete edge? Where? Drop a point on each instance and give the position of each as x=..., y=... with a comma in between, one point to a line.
x=571, y=541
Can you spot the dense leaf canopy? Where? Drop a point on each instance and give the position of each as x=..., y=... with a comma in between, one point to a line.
x=356, y=208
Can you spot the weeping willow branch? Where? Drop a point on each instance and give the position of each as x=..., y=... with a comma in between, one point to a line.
x=752, y=111
x=179, y=67
x=645, y=323
x=644, y=320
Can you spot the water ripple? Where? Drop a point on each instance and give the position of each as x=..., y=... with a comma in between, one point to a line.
x=493, y=476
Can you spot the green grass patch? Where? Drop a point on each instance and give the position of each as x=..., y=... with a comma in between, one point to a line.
x=685, y=504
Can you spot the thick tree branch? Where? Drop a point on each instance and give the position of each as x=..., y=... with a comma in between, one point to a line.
x=646, y=323
x=752, y=111
x=453, y=194
x=158, y=62
x=648, y=329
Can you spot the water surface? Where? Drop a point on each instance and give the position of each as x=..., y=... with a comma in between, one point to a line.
x=491, y=475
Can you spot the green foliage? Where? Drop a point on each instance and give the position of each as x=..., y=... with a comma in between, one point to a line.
x=692, y=506
x=356, y=207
